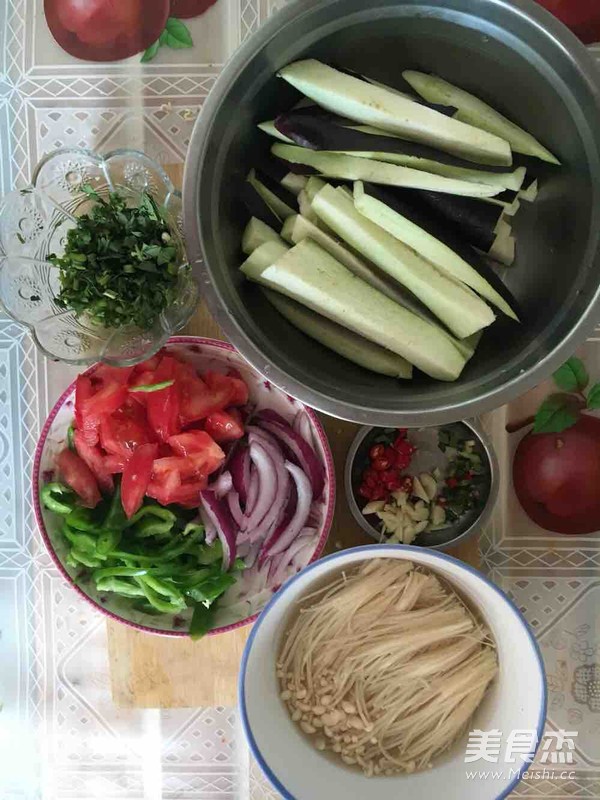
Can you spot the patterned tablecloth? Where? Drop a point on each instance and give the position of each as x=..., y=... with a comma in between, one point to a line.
x=60, y=735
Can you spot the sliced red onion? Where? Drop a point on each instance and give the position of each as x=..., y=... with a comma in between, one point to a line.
x=267, y=486
x=210, y=531
x=303, y=427
x=248, y=551
x=279, y=564
x=282, y=478
x=219, y=515
x=239, y=466
x=269, y=415
x=223, y=484
x=298, y=521
x=288, y=513
x=233, y=503
x=304, y=453
x=253, y=486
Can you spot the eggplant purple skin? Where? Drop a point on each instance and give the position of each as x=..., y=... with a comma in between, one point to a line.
x=475, y=219
x=406, y=202
x=318, y=129
x=257, y=207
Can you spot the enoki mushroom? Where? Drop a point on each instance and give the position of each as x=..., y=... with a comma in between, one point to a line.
x=385, y=667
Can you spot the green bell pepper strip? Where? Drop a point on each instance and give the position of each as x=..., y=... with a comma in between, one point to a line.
x=202, y=620
x=117, y=572
x=50, y=495
x=108, y=541
x=80, y=540
x=152, y=387
x=119, y=586
x=71, y=437
x=87, y=559
x=83, y=519
x=212, y=587
x=115, y=517
x=153, y=510
x=164, y=588
x=157, y=601
x=152, y=527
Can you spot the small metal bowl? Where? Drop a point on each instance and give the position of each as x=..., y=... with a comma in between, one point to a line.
x=462, y=529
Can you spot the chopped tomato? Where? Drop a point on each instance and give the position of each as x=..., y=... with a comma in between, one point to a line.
x=195, y=442
x=83, y=390
x=225, y=426
x=200, y=401
x=163, y=406
x=136, y=477
x=124, y=430
x=142, y=379
x=149, y=365
x=108, y=399
x=188, y=494
x=95, y=459
x=76, y=474
x=108, y=374
x=115, y=463
x=187, y=466
x=240, y=396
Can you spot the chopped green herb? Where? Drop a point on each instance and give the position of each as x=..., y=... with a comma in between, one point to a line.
x=120, y=265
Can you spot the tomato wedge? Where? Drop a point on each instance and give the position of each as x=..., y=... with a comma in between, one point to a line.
x=149, y=365
x=108, y=374
x=225, y=426
x=239, y=387
x=76, y=474
x=136, y=477
x=108, y=399
x=124, y=430
x=96, y=461
x=163, y=406
x=189, y=442
x=187, y=494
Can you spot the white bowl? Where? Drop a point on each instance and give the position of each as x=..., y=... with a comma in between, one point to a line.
x=515, y=701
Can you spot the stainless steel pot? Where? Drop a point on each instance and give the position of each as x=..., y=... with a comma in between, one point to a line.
x=509, y=51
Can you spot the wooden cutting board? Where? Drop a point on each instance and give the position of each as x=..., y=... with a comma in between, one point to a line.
x=149, y=671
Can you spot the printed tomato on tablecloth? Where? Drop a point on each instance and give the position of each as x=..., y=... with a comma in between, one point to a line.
x=110, y=30
x=556, y=467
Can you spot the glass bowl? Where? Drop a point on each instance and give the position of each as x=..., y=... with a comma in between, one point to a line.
x=34, y=223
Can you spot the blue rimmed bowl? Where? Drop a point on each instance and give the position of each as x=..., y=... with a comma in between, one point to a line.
x=516, y=700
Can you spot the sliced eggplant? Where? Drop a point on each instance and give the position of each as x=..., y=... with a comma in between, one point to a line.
x=312, y=277
x=332, y=165
x=320, y=130
x=257, y=207
x=257, y=233
x=264, y=255
x=269, y=127
x=473, y=111
x=504, y=248
x=511, y=181
x=270, y=195
x=460, y=309
x=341, y=340
x=530, y=193
x=294, y=183
x=298, y=228
x=373, y=105
x=435, y=242
x=476, y=220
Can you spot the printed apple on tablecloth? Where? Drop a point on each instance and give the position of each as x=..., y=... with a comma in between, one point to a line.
x=111, y=30
x=556, y=467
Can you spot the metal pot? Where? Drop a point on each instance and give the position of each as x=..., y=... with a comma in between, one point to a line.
x=511, y=52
